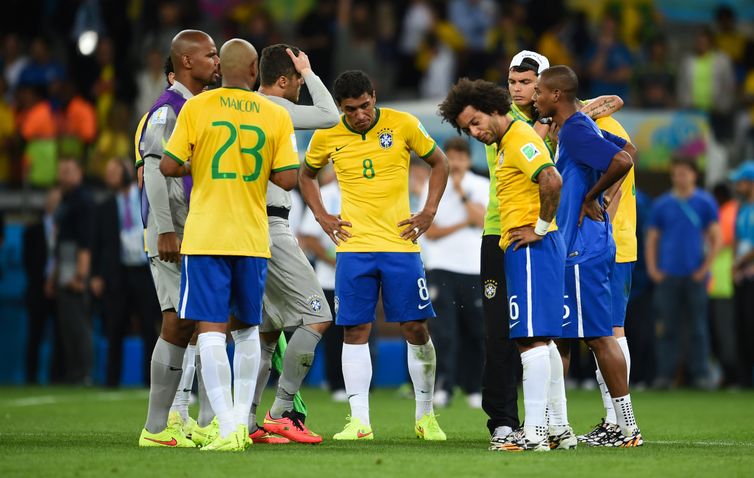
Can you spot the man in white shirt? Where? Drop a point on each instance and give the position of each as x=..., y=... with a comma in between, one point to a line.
x=452, y=260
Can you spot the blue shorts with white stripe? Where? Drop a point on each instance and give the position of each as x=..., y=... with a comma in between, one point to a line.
x=588, y=298
x=209, y=284
x=535, y=278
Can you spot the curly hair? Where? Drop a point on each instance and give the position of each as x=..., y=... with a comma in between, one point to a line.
x=482, y=95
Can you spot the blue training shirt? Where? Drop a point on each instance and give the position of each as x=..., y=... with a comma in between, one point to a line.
x=584, y=153
x=681, y=224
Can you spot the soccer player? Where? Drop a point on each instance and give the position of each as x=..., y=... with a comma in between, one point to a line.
x=534, y=249
x=589, y=164
x=139, y=161
x=236, y=140
x=165, y=202
x=622, y=213
x=375, y=236
x=499, y=394
x=293, y=298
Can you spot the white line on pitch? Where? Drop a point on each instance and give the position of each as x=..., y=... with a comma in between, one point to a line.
x=701, y=443
x=53, y=399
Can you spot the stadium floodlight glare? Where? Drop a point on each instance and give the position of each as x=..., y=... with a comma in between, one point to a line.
x=87, y=42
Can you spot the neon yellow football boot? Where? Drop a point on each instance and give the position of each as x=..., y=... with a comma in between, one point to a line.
x=168, y=438
x=175, y=420
x=427, y=428
x=355, y=430
x=203, y=436
x=236, y=441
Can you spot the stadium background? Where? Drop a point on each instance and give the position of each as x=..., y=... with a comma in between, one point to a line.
x=109, y=56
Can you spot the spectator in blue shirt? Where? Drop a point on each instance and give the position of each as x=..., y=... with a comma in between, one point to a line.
x=743, y=271
x=682, y=239
x=609, y=63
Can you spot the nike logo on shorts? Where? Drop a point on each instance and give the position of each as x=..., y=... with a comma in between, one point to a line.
x=513, y=324
x=424, y=306
x=566, y=324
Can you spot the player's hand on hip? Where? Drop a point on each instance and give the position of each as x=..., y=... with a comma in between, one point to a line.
x=416, y=225
x=334, y=227
x=523, y=236
x=169, y=247
x=300, y=62
x=593, y=210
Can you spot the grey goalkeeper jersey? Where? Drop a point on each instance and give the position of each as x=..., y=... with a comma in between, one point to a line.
x=168, y=205
x=321, y=115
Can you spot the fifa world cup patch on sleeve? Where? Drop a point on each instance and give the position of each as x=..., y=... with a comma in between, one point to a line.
x=160, y=116
x=294, y=143
x=424, y=131
x=530, y=151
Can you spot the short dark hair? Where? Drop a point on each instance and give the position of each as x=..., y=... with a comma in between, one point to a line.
x=527, y=64
x=482, y=95
x=687, y=161
x=351, y=84
x=457, y=143
x=275, y=62
x=168, y=67
x=563, y=78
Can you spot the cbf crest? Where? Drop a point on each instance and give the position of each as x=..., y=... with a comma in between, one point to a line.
x=386, y=138
x=490, y=288
x=315, y=303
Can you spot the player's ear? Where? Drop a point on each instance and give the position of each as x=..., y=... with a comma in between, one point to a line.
x=186, y=61
x=282, y=81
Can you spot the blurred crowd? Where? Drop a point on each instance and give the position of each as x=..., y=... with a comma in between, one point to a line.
x=65, y=93
x=69, y=107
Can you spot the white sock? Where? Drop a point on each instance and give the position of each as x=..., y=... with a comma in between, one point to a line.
x=627, y=354
x=625, y=412
x=216, y=376
x=357, y=375
x=265, y=366
x=607, y=400
x=536, y=385
x=183, y=394
x=421, y=367
x=556, y=401
x=245, y=370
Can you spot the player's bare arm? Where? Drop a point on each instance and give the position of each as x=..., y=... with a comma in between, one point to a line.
x=613, y=194
x=284, y=179
x=550, y=184
x=418, y=224
x=602, y=106
x=619, y=166
x=333, y=226
x=169, y=167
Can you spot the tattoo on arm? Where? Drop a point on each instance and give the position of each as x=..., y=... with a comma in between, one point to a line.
x=550, y=184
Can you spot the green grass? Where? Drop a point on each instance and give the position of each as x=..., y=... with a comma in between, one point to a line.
x=56, y=432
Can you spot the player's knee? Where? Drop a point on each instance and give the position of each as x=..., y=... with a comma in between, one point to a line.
x=415, y=332
x=320, y=327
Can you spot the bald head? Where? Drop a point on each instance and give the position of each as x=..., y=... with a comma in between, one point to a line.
x=194, y=57
x=238, y=60
x=186, y=43
x=561, y=78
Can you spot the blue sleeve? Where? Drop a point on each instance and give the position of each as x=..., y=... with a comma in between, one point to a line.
x=586, y=146
x=710, y=214
x=613, y=138
x=655, y=215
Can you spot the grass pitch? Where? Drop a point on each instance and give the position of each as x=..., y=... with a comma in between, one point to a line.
x=55, y=432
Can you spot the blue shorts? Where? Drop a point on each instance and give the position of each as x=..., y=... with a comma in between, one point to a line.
x=620, y=286
x=359, y=276
x=588, y=300
x=535, y=277
x=210, y=283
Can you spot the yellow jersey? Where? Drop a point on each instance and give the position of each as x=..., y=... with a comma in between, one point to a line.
x=234, y=139
x=624, y=222
x=139, y=161
x=521, y=156
x=372, y=171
